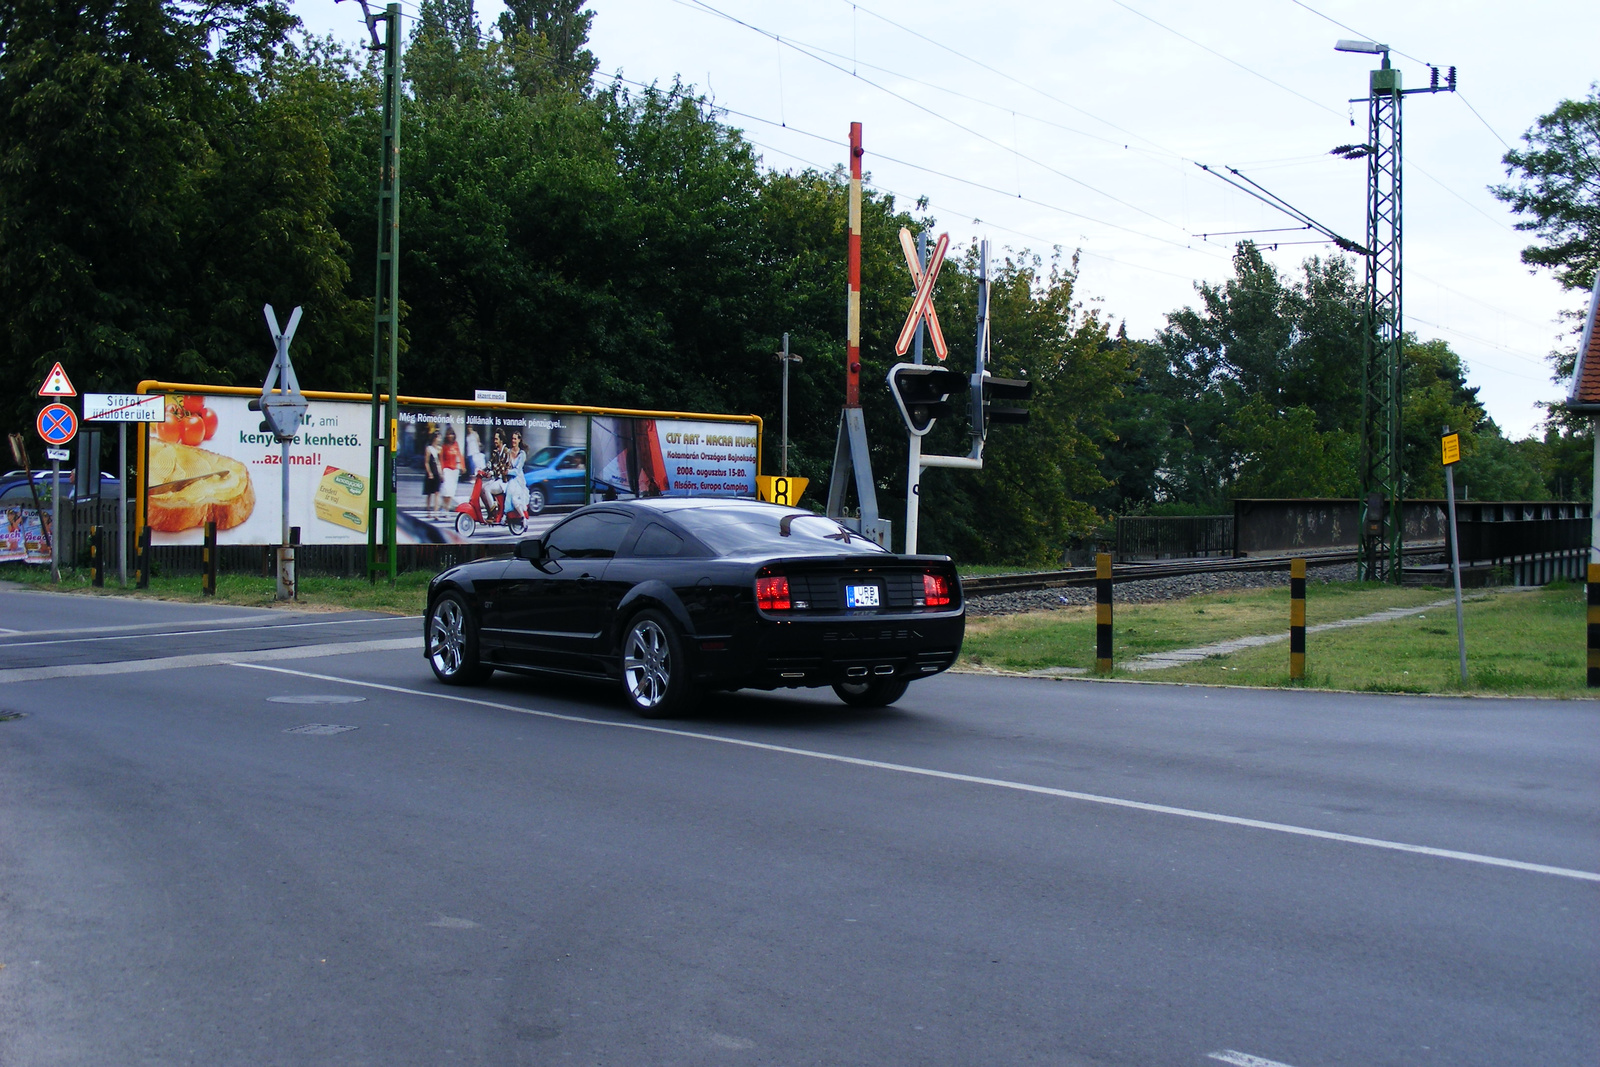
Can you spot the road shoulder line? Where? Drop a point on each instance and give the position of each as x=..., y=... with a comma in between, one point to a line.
x=206, y=659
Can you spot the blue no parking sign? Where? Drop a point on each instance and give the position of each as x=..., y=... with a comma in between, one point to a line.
x=57, y=424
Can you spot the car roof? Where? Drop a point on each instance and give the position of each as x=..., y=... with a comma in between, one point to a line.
x=671, y=504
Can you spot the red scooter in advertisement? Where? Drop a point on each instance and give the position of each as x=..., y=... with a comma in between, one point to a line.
x=472, y=514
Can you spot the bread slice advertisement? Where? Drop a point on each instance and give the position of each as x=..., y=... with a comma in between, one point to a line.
x=210, y=461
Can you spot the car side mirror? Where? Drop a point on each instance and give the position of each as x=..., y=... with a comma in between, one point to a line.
x=532, y=550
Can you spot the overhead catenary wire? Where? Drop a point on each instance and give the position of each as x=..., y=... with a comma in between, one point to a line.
x=967, y=181
x=703, y=5
x=1030, y=86
x=1005, y=108
x=1227, y=59
x=482, y=36
x=978, y=220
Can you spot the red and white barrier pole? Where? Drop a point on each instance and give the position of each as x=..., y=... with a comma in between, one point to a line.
x=852, y=388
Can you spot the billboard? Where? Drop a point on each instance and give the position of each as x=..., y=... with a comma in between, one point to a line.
x=443, y=461
x=210, y=461
x=636, y=457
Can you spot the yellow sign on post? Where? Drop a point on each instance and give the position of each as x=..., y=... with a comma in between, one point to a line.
x=776, y=489
x=1452, y=448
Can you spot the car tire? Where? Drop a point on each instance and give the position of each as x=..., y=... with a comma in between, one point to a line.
x=536, y=501
x=452, y=634
x=872, y=692
x=466, y=525
x=655, y=671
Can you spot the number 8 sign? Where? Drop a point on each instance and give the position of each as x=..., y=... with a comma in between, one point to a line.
x=777, y=489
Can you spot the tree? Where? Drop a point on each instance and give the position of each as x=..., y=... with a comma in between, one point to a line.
x=1557, y=186
x=1260, y=365
x=161, y=177
x=1436, y=395
x=547, y=39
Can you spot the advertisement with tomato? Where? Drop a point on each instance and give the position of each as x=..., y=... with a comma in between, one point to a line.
x=210, y=461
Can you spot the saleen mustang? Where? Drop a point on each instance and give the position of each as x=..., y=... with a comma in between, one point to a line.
x=675, y=596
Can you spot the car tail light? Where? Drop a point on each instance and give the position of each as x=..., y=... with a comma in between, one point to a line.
x=936, y=590
x=772, y=593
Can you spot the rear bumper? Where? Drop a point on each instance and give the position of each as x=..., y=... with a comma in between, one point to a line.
x=825, y=651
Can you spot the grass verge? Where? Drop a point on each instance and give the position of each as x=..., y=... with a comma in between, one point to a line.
x=406, y=597
x=1518, y=642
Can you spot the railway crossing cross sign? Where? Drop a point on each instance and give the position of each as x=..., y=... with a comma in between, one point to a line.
x=922, y=305
x=57, y=424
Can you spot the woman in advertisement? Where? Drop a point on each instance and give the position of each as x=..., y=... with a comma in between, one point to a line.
x=451, y=465
x=432, y=474
x=516, y=480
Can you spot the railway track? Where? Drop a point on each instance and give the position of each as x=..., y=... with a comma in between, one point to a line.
x=1133, y=572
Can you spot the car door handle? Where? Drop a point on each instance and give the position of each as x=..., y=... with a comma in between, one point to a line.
x=587, y=577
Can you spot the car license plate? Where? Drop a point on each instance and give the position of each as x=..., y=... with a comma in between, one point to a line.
x=861, y=596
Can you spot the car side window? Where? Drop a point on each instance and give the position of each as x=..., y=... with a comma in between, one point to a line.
x=573, y=462
x=657, y=541
x=593, y=536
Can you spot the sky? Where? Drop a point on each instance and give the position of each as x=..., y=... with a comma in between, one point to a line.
x=1080, y=125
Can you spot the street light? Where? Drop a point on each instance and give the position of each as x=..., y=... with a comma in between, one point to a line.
x=1369, y=47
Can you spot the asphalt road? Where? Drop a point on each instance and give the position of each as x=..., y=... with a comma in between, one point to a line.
x=995, y=871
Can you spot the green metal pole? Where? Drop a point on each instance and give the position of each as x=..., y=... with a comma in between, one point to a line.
x=381, y=513
x=1383, y=366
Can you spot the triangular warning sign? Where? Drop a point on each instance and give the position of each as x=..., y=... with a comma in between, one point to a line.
x=56, y=383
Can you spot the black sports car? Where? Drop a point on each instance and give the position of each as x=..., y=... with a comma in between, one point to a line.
x=674, y=596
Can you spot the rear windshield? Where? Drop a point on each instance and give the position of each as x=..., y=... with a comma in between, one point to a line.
x=736, y=531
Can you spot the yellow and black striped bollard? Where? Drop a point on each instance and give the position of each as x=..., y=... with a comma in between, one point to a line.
x=142, y=558
x=97, y=557
x=1297, y=619
x=208, y=561
x=1594, y=625
x=1102, y=612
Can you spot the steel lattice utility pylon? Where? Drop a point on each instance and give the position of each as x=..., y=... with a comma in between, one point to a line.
x=1383, y=366
x=381, y=513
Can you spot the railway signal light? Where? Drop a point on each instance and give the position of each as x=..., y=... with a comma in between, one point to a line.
x=986, y=390
x=923, y=393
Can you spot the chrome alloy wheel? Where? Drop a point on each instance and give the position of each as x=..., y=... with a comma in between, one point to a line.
x=647, y=664
x=447, y=638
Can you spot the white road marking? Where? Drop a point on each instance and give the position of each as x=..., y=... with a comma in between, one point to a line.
x=260, y=619
x=1242, y=1059
x=972, y=779
x=265, y=613
x=208, y=659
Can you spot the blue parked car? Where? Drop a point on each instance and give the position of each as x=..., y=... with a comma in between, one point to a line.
x=555, y=475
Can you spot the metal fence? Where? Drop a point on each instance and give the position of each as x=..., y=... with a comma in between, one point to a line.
x=348, y=561
x=1173, y=536
x=1534, y=542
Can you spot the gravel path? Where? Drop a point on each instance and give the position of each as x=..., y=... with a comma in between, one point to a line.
x=1149, y=590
